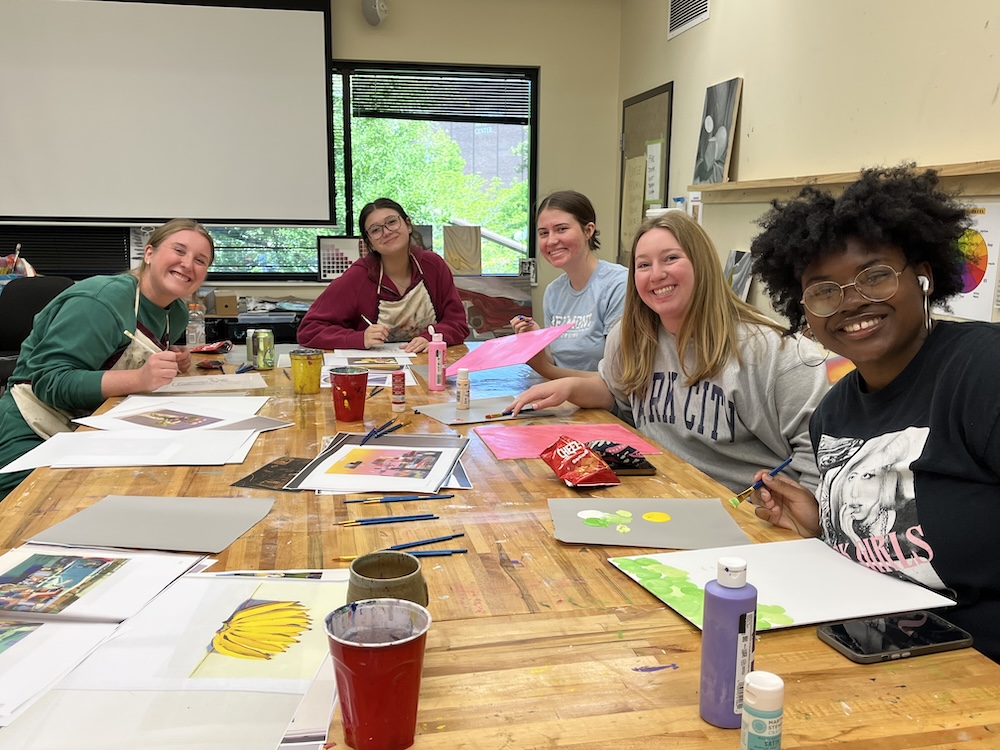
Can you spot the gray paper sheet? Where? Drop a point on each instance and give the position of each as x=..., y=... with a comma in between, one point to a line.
x=172, y=524
x=448, y=412
x=657, y=522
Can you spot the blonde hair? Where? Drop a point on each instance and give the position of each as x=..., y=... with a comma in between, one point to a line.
x=172, y=227
x=710, y=325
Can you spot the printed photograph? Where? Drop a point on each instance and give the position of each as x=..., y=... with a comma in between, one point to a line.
x=50, y=583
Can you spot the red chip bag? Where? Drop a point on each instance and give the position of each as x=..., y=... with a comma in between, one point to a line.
x=578, y=465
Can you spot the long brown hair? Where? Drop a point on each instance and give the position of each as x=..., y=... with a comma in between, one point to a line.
x=710, y=325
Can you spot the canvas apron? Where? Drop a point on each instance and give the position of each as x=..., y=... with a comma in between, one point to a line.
x=45, y=420
x=408, y=316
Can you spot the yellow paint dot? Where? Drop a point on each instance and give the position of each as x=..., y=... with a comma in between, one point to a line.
x=656, y=516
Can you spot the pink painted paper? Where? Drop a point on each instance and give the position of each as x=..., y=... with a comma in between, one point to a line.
x=528, y=441
x=508, y=350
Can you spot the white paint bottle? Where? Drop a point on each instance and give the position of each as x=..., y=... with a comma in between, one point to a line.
x=763, y=706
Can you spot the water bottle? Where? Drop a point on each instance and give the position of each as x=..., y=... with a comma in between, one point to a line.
x=727, y=643
x=196, y=325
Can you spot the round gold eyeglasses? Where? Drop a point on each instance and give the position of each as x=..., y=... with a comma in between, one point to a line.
x=875, y=284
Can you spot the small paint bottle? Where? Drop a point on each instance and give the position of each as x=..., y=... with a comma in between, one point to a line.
x=728, y=630
x=464, y=389
x=763, y=705
x=435, y=362
x=398, y=391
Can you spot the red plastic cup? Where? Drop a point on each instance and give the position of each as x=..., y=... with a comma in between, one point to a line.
x=378, y=656
x=349, y=385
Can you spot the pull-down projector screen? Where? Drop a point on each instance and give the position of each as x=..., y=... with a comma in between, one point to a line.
x=140, y=112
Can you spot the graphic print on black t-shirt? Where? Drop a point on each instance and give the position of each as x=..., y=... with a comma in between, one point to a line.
x=867, y=503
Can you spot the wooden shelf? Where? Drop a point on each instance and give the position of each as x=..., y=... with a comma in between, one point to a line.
x=977, y=178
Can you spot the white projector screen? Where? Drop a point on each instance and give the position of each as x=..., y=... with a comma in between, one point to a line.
x=140, y=112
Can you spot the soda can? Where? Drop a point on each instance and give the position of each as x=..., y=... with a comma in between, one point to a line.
x=251, y=346
x=264, y=346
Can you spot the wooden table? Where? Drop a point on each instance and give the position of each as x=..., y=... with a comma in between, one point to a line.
x=536, y=643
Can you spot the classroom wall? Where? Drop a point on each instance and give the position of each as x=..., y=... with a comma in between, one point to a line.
x=828, y=86
x=576, y=45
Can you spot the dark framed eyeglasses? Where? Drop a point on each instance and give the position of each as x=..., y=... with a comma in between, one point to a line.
x=392, y=224
x=875, y=284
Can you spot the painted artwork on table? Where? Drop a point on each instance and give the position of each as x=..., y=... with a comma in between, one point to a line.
x=169, y=419
x=718, y=132
x=657, y=522
x=386, y=462
x=276, y=633
x=798, y=582
x=47, y=584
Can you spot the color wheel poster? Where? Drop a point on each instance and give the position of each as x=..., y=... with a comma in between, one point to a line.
x=979, y=246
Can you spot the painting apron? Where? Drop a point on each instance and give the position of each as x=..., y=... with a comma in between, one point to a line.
x=45, y=420
x=410, y=315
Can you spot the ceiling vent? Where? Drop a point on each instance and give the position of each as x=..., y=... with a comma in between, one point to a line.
x=686, y=14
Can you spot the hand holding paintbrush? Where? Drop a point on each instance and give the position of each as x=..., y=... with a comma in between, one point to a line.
x=735, y=501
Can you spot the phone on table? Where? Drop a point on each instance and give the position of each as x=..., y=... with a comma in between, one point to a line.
x=875, y=639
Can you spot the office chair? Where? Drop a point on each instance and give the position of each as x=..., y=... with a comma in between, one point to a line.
x=20, y=300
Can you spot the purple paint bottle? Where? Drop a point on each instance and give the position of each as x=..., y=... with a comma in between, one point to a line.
x=727, y=643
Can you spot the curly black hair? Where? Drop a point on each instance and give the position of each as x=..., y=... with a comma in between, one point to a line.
x=892, y=206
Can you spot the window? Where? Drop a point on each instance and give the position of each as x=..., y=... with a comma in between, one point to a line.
x=453, y=145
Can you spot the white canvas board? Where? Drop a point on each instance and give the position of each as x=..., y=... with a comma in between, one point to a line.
x=132, y=448
x=46, y=582
x=193, y=383
x=35, y=655
x=175, y=524
x=799, y=582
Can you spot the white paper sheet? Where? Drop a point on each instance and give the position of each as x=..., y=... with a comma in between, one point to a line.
x=177, y=417
x=329, y=358
x=46, y=652
x=193, y=383
x=133, y=448
x=243, y=404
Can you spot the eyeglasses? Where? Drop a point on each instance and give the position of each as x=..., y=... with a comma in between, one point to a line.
x=392, y=224
x=875, y=284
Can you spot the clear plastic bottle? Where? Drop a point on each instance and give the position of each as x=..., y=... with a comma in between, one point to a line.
x=464, y=389
x=763, y=706
x=435, y=362
x=196, y=325
x=727, y=643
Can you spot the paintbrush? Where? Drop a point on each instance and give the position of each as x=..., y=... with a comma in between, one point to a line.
x=735, y=501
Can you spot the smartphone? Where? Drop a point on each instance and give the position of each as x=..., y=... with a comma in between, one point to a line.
x=875, y=639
